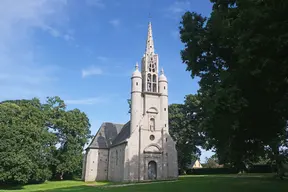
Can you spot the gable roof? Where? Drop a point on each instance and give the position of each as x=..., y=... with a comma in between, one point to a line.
x=110, y=134
x=123, y=135
x=105, y=135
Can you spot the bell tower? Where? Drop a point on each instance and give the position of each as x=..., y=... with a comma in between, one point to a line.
x=150, y=145
x=150, y=65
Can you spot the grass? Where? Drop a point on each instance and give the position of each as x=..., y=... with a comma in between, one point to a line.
x=215, y=183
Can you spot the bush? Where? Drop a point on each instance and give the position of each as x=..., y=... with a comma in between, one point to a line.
x=265, y=168
x=207, y=171
x=253, y=169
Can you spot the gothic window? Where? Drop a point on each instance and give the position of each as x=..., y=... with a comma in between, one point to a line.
x=152, y=124
x=117, y=157
x=154, y=78
x=149, y=77
x=149, y=82
x=149, y=87
x=154, y=87
x=154, y=84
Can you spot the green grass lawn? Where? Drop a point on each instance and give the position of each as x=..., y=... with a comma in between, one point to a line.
x=215, y=183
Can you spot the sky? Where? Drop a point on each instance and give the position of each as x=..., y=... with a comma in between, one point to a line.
x=85, y=51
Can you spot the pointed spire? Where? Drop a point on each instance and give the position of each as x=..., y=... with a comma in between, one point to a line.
x=162, y=71
x=149, y=42
x=136, y=73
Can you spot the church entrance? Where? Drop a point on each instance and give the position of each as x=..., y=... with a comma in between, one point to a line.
x=152, y=170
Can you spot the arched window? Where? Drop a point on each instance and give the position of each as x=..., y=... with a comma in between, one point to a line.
x=149, y=82
x=154, y=78
x=152, y=124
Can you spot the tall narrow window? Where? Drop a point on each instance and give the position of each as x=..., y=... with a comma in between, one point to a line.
x=117, y=157
x=149, y=82
x=154, y=87
x=149, y=87
x=154, y=83
x=152, y=124
x=154, y=78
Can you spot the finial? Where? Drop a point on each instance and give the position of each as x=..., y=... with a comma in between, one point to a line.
x=162, y=71
x=136, y=66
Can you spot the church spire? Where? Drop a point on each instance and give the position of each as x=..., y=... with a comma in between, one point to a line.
x=149, y=42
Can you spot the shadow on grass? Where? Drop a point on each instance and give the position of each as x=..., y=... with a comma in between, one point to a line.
x=9, y=187
x=211, y=183
x=186, y=184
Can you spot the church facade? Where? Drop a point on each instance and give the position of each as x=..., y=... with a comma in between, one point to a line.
x=141, y=149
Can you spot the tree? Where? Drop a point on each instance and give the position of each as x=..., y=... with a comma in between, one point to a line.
x=184, y=129
x=72, y=131
x=239, y=53
x=38, y=141
x=129, y=105
x=210, y=163
x=25, y=143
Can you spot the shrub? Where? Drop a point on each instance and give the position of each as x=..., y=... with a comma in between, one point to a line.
x=206, y=171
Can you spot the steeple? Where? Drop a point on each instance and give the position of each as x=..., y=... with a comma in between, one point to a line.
x=150, y=65
x=149, y=42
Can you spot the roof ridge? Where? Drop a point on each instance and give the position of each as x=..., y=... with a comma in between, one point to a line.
x=114, y=123
x=105, y=135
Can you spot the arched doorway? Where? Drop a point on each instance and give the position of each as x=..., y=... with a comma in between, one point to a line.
x=152, y=170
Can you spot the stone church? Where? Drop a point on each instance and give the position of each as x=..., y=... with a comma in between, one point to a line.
x=141, y=149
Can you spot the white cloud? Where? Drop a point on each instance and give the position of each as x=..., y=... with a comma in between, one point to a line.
x=87, y=101
x=95, y=3
x=56, y=33
x=115, y=22
x=91, y=71
x=22, y=76
x=68, y=37
x=177, y=8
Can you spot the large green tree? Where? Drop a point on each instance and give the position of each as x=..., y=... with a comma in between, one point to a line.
x=239, y=53
x=72, y=129
x=25, y=144
x=184, y=128
x=39, y=141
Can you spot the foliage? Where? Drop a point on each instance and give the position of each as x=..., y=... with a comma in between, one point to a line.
x=38, y=141
x=129, y=105
x=210, y=171
x=264, y=168
x=183, y=124
x=239, y=53
x=211, y=162
x=72, y=130
x=25, y=143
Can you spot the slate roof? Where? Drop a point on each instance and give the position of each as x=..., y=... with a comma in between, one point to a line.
x=110, y=134
x=123, y=135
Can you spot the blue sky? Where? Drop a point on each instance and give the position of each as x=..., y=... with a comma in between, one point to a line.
x=85, y=51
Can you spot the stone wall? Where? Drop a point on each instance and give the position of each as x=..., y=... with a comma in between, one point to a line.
x=116, y=163
x=96, y=168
